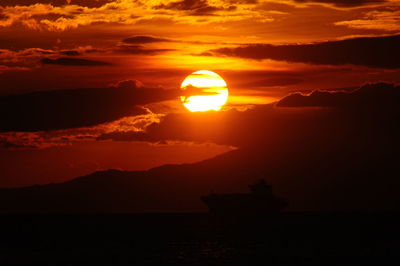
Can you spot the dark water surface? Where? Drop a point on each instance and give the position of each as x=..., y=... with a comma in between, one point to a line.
x=197, y=239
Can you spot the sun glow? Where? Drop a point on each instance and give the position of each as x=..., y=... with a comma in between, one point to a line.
x=204, y=90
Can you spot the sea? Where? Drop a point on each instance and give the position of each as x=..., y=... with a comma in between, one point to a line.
x=200, y=239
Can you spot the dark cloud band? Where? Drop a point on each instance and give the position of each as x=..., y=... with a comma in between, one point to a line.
x=371, y=102
x=85, y=3
x=144, y=39
x=65, y=61
x=377, y=95
x=379, y=52
x=343, y=3
x=62, y=109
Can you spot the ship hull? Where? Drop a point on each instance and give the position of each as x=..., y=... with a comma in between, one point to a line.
x=243, y=205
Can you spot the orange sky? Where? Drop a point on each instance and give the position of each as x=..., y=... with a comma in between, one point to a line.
x=181, y=31
x=53, y=45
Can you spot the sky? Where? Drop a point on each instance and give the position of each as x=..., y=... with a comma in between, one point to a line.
x=89, y=85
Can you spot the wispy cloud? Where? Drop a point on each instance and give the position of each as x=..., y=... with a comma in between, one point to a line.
x=17, y=140
x=45, y=16
x=386, y=20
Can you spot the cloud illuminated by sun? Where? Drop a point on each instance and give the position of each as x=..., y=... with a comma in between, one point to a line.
x=204, y=90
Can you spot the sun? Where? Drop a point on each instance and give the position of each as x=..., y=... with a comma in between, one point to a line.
x=204, y=90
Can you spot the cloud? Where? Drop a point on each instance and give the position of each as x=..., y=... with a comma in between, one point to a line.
x=194, y=7
x=140, y=50
x=129, y=84
x=25, y=59
x=256, y=127
x=262, y=123
x=141, y=39
x=53, y=17
x=63, y=109
x=138, y=41
x=57, y=16
x=61, y=137
x=134, y=45
x=387, y=19
x=7, y=68
x=66, y=61
x=343, y=3
x=6, y=144
x=382, y=95
x=242, y=1
x=190, y=90
x=46, y=16
x=70, y=53
x=31, y=57
x=380, y=52
x=58, y=3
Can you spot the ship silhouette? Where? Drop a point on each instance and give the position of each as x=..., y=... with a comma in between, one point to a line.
x=259, y=201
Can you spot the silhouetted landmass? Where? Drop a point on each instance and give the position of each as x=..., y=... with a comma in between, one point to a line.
x=341, y=179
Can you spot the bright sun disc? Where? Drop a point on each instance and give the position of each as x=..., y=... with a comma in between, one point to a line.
x=204, y=90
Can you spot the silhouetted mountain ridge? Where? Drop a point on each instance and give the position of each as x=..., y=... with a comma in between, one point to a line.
x=317, y=182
